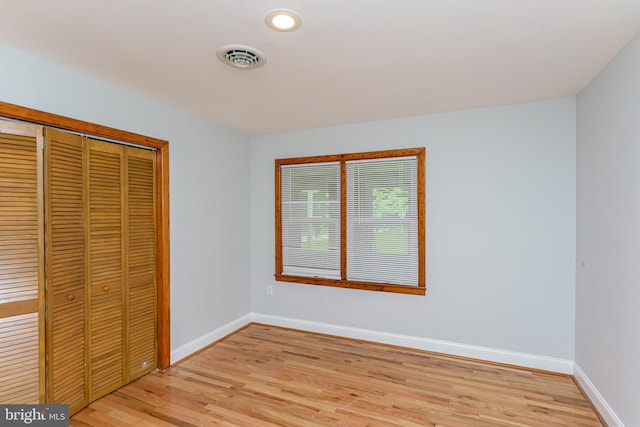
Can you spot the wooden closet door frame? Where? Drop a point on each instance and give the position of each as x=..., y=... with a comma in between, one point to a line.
x=161, y=147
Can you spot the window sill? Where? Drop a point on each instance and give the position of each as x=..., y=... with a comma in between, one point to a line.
x=369, y=286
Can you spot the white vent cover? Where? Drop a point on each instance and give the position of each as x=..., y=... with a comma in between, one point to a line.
x=241, y=56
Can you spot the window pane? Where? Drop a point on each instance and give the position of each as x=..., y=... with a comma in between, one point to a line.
x=382, y=221
x=311, y=219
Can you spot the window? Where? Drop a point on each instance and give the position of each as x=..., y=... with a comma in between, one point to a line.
x=352, y=220
x=311, y=219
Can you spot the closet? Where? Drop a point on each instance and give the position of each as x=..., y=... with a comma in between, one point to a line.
x=78, y=265
x=21, y=264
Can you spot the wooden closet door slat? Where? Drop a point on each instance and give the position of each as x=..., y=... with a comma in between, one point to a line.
x=19, y=359
x=21, y=270
x=106, y=241
x=65, y=254
x=141, y=251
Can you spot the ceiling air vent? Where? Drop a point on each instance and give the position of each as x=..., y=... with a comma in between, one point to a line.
x=241, y=56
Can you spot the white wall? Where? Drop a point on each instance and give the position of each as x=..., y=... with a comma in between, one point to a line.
x=608, y=233
x=209, y=216
x=500, y=229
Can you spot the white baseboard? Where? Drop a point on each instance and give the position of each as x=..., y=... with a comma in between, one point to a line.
x=526, y=360
x=598, y=401
x=209, y=338
x=532, y=361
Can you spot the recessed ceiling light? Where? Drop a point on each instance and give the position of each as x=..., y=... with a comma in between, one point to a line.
x=283, y=20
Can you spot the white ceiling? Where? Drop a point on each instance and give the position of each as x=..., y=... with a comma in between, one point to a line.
x=350, y=61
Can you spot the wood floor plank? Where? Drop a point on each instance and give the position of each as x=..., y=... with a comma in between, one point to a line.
x=266, y=376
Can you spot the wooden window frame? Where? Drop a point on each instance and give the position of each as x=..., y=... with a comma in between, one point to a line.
x=420, y=289
x=161, y=147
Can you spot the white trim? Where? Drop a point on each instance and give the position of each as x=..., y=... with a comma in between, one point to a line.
x=598, y=401
x=526, y=360
x=209, y=338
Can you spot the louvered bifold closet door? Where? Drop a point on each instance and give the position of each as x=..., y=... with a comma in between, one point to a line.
x=65, y=269
x=106, y=268
x=141, y=261
x=21, y=264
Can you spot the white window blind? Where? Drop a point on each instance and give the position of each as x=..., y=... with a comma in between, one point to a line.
x=310, y=203
x=382, y=220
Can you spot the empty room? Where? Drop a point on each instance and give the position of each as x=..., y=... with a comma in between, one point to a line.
x=297, y=213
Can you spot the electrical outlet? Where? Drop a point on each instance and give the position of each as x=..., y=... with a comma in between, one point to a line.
x=269, y=290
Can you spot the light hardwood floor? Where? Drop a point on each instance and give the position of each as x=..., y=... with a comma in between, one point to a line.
x=266, y=376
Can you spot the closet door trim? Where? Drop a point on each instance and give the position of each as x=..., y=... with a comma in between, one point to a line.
x=162, y=200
